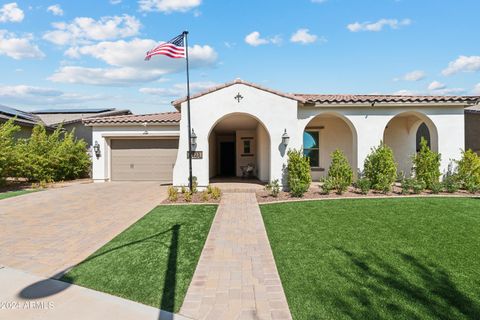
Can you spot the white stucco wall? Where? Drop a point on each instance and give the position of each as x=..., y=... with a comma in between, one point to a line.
x=263, y=158
x=276, y=113
x=103, y=134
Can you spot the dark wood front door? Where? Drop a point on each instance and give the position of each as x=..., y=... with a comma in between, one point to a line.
x=227, y=159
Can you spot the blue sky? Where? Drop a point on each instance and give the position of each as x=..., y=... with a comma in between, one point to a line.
x=70, y=54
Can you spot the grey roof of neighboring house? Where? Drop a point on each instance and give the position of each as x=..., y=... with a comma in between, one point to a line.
x=160, y=118
x=21, y=117
x=77, y=110
x=77, y=115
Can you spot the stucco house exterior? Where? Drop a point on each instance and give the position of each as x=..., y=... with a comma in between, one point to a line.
x=240, y=125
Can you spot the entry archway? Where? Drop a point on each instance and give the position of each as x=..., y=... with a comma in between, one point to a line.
x=239, y=146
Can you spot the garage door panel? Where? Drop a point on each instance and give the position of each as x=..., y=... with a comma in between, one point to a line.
x=147, y=159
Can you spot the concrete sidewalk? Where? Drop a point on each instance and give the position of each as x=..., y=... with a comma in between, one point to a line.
x=26, y=296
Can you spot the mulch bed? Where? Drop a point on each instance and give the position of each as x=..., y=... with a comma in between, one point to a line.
x=315, y=193
x=196, y=199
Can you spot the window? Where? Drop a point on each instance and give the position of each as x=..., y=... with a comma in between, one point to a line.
x=425, y=133
x=246, y=146
x=311, y=147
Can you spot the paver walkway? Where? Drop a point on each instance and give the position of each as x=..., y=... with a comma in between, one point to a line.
x=236, y=277
x=48, y=231
x=25, y=296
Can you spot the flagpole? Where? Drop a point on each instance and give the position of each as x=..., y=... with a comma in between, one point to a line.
x=190, y=176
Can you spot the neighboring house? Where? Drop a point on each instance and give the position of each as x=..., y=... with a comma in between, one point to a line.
x=472, y=128
x=240, y=124
x=26, y=121
x=72, y=119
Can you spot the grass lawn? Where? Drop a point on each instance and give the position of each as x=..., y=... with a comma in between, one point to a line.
x=9, y=194
x=152, y=261
x=409, y=258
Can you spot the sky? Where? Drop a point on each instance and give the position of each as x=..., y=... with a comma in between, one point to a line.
x=72, y=54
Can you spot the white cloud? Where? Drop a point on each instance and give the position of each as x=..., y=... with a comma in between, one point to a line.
x=463, y=64
x=56, y=10
x=168, y=6
x=83, y=30
x=379, y=25
x=254, y=39
x=435, y=85
x=476, y=89
x=18, y=47
x=405, y=93
x=416, y=75
x=178, y=89
x=126, y=63
x=10, y=12
x=303, y=36
x=41, y=95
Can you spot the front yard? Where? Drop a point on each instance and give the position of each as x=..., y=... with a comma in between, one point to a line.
x=152, y=261
x=409, y=258
x=9, y=194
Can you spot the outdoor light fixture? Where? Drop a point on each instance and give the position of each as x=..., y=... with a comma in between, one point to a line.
x=145, y=131
x=96, y=149
x=193, y=139
x=285, y=138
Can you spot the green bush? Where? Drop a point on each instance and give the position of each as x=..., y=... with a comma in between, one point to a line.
x=8, y=151
x=426, y=164
x=172, y=194
x=188, y=196
x=469, y=168
x=471, y=185
x=450, y=180
x=327, y=186
x=299, y=178
x=216, y=193
x=380, y=168
x=407, y=185
x=205, y=196
x=273, y=188
x=436, y=187
x=340, y=173
x=418, y=186
x=363, y=185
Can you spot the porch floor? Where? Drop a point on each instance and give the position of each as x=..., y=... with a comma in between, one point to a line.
x=236, y=184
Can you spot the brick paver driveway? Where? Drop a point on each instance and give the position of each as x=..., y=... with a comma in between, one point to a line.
x=49, y=231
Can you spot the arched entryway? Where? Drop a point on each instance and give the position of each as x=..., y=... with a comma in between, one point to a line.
x=239, y=146
x=324, y=134
x=403, y=134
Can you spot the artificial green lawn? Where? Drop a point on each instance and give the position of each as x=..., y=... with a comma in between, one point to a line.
x=9, y=194
x=409, y=258
x=152, y=261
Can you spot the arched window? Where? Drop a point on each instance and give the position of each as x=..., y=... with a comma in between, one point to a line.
x=425, y=133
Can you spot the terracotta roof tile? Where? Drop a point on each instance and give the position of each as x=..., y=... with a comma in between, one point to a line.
x=165, y=117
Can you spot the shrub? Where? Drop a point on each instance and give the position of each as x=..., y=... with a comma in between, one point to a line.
x=327, y=186
x=450, y=180
x=418, y=186
x=469, y=168
x=183, y=189
x=209, y=189
x=273, y=188
x=172, y=194
x=194, y=184
x=407, y=185
x=340, y=173
x=205, y=196
x=426, y=164
x=8, y=151
x=380, y=168
x=299, y=178
x=471, y=185
x=188, y=196
x=436, y=187
x=363, y=184
x=216, y=193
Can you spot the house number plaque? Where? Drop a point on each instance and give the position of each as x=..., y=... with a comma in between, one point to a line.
x=195, y=155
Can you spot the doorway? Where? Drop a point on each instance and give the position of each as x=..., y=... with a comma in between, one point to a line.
x=227, y=159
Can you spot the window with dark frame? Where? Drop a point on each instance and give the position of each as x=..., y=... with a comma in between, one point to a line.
x=246, y=146
x=311, y=148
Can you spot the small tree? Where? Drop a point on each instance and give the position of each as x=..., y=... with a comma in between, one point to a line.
x=426, y=165
x=380, y=168
x=8, y=152
x=299, y=178
x=469, y=168
x=340, y=173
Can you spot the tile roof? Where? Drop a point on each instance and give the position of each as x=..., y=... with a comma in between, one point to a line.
x=343, y=98
x=164, y=117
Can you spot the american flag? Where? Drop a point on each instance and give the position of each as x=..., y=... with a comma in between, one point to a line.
x=174, y=48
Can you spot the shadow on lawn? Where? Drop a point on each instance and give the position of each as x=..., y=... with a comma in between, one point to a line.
x=411, y=289
x=45, y=288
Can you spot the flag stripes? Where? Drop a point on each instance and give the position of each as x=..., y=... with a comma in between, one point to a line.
x=174, y=48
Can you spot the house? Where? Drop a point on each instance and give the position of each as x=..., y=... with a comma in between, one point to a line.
x=472, y=128
x=241, y=125
x=72, y=119
x=26, y=121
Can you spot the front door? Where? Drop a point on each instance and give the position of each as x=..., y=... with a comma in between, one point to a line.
x=227, y=159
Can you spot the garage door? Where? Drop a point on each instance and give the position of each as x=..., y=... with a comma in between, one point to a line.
x=143, y=159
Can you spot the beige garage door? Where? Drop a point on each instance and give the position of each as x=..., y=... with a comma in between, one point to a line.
x=143, y=159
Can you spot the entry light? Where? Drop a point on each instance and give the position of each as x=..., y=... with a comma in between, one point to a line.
x=285, y=138
x=193, y=139
x=96, y=149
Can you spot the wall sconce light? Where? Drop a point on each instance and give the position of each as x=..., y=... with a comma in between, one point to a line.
x=96, y=149
x=145, y=126
x=193, y=139
x=285, y=138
